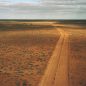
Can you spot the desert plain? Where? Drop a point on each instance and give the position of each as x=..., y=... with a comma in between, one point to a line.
x=43, y=53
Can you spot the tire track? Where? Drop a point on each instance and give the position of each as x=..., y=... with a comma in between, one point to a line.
x=61, y=78
x=51, y=70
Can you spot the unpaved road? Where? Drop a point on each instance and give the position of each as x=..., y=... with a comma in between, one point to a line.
x=56, y=73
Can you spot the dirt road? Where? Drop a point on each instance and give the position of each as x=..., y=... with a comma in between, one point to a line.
x=56, y=73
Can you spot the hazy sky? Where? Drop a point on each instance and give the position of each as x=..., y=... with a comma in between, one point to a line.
x=42, y=9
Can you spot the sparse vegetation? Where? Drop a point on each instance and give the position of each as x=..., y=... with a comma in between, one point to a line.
x=8, y=26
x=77, y=60
x=24, y=52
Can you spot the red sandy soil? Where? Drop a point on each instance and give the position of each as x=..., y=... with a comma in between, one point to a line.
x=67, y=66
x=24, y=55
x=76, y=55
x=77, y=60
x=40, y=58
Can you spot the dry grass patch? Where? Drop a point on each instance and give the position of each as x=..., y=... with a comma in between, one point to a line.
x=77, y=60
x=24, y=55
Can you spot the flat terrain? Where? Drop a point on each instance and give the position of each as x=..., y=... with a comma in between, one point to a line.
x=67, y=66
x=25, y=50
x=77, y=60
x=43, y=53
x=76, y=53
x=57, y=69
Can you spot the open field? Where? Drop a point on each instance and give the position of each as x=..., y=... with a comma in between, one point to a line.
x=76, y=53
x=25, y=50
x=71, y=62
x=77, y=60
x=43, y=53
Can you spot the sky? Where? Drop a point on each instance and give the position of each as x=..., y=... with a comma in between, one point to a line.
x=42, y=9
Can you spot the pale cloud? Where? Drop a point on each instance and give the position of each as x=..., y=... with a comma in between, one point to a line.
x=45, y=9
